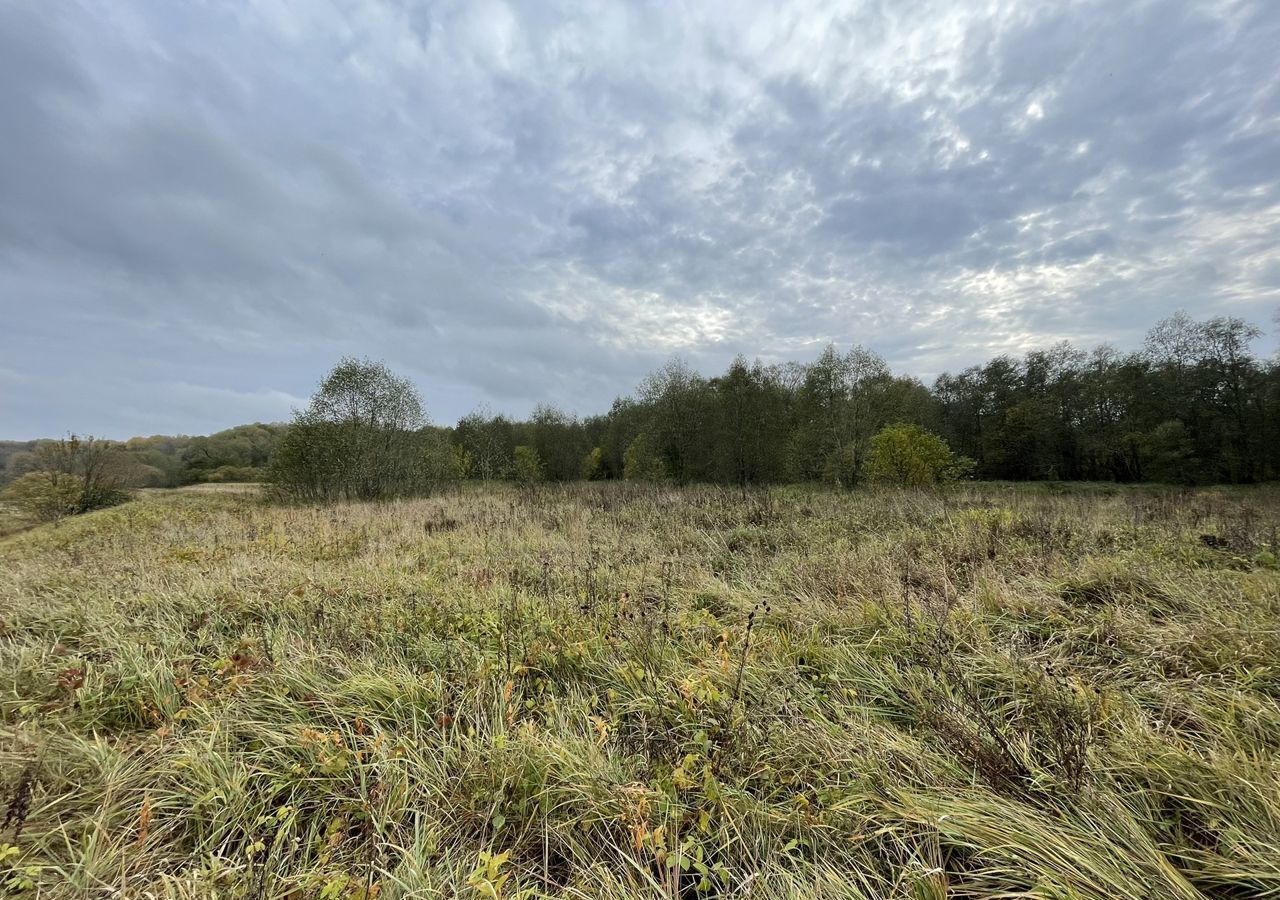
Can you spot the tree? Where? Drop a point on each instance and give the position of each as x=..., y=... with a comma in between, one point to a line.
x=1168, y=454
x=357, y=440
x=559, y=439
x=749, y=425
x=244, y=450
x=676, y=398
x=592, y=466
x=908, y=455
x=69, y=476
x=840, y=405
x=1195, y=404
x=488, y=442
x=641, y=461
x=1230, y=377
x=44, y=497
x=443, y=462
x=528, y=468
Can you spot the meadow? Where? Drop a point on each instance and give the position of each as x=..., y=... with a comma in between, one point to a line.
x=614, y=690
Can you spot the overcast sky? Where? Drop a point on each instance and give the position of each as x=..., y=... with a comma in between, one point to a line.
x=203, y=205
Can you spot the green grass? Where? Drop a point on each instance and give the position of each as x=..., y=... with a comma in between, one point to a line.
x=614, y=691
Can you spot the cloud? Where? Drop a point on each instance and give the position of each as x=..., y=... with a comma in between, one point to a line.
x=204, y=206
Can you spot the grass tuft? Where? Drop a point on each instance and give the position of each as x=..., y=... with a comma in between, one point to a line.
x=616, y=691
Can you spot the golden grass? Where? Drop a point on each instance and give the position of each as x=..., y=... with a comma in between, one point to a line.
x=988, y=691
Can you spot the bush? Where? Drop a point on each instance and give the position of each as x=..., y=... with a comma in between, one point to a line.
x=592, y=467
x=841, y=468
x=43, y=497
x=67, y=477
x=49, y=496
x=910, y=456
x=358, y=439
x=528, y=466
x=641, y=461
x=442, y=462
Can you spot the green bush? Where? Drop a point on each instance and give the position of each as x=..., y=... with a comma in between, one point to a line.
x=592, y=467
x=641, y=461
x=841, y=467
x=910, y=456
x=49, y=496
x=359, y=439
x=528, y=466
x=67, y=477
x=443, y=462
x=45, y=497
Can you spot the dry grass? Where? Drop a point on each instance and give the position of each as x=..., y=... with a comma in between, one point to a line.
x=993, y=691
x=11, y=519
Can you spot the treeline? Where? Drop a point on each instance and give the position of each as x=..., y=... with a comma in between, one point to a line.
x=242, y=453
x=1193, y=405
x=364, y=436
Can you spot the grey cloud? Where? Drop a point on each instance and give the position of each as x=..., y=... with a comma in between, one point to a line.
x=203, y=206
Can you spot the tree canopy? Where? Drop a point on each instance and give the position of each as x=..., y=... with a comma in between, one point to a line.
x=1193, y=404
x=909, y=456
x=359, y=438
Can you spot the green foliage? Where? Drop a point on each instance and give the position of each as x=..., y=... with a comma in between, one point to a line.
x=488, y=442
x=236, y=454
x=559, y=440
x=842, y=467
x=67, y=477
x=748, y=421
x=592, y=466
x=358, y=439
x=231, y=474
x=1170, y=456
x=242, y=453
x=840, y=404
x=45, y=496
x=642, y=462
x=1195, y=405
x=488, y=879
x=527, y=466
x=443, y=462
x=908, y=455
x=15, y=877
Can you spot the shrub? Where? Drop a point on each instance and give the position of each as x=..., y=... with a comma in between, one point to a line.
x=44, y=496
x=442, y=462
x=592, y=468
x=69, y=476
x=910, y=456
x=841, y=467
x=641, y=461
x=357, y=440
x=528, y=466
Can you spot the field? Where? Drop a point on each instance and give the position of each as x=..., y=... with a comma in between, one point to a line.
x=622, y=691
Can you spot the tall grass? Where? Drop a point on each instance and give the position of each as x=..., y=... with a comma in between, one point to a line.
x=616, y=691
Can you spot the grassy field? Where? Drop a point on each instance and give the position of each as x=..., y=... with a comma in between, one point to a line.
x=616, y=691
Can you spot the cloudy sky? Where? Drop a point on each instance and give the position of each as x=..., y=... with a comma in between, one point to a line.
x=203, y=205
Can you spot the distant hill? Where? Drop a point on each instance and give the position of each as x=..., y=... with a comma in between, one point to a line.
x=10, y=449
x=240, y=453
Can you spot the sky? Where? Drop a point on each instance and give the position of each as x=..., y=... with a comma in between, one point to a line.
x=204, y=205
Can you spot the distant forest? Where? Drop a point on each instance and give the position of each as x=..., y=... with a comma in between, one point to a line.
x=1193, y=405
